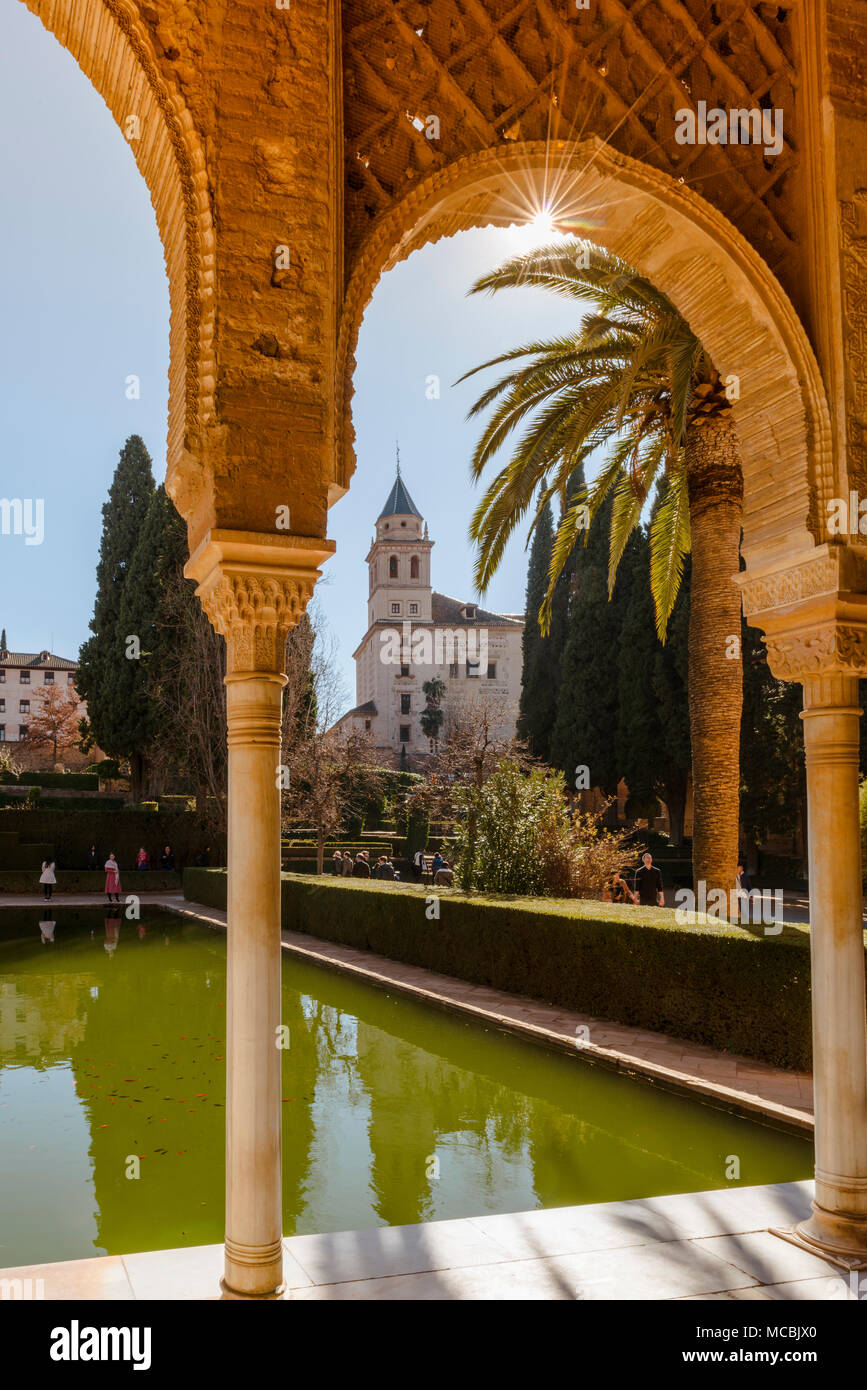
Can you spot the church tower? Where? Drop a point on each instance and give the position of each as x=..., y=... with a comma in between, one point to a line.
x=398, y=562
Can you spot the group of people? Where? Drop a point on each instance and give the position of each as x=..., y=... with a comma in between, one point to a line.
x=143, y=859
x=441, y=871
x=647, y=889
x=48, y=876
x=344, y=866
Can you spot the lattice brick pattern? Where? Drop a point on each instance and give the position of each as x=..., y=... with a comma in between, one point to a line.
x=537, y=69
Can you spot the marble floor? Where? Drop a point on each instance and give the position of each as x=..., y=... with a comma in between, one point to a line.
x=702, y=1245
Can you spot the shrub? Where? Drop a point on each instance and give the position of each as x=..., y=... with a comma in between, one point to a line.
x=713, y=983
x=519, y=837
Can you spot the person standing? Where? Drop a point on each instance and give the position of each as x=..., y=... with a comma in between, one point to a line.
x=141, y=860
x=167, y=859
x=361, y=868
x=47, y=878
x=648, y=883
x=386, y=869
x=337, y=863
x=112, y=878
x=92, y=858
x=347, y=863
x=418, y=865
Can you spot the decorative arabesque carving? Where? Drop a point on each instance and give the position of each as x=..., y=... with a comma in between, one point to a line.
x=817, y=577
x=255, y=613
x=833, y=647
x=853, y=236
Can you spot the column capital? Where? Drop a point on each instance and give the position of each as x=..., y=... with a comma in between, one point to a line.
x=254, y=588
x=823, y=650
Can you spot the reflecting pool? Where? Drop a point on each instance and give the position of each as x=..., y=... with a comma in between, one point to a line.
x=112, y=1102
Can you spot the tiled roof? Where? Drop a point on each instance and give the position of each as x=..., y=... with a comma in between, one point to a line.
x=448, y=612
x=399, y=502
x=368, y=708
x=43, y=660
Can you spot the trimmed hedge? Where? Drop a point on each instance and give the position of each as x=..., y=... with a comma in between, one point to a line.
x=88, y=881
x=723, y=985
x=69, y=781
x=71, y=833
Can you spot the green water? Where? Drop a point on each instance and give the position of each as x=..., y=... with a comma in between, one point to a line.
x=112, y=1043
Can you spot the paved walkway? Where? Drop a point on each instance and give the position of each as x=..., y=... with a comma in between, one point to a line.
x=737, y=1083
x=704, y=1245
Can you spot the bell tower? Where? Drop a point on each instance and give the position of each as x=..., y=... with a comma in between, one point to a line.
x=399, y=562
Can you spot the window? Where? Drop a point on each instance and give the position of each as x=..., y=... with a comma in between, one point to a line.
x=404, y=670
x=22, y=730
x=413, y=567
x=49, y=678
x=2, y=733
x=492, y=670
x=404, y=704
x=25, y=677
x=367, y=726
x=395, y=608
x=404, y=733
x=2, y=677
x=473, y=666
x=470, y=610
x=454, y=670
x=2, y=706
x=392, y=567
x=413, y=608
x=70, y=679
x=23, y=706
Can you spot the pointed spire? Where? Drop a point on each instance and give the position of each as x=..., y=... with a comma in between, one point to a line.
x=397, y=455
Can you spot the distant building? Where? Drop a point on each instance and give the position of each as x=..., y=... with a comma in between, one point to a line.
x=415, y=634
x=23, y=678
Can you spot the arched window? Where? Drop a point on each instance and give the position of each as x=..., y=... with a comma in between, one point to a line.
x=392, y=567
x=413, y=567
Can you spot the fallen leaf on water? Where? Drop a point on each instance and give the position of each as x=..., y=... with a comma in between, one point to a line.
x=105, y=1126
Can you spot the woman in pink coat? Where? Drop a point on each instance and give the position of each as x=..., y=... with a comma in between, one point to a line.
x=112, y=878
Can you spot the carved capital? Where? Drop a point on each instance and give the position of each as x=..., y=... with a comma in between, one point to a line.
x=254, y=589
x=832, y=648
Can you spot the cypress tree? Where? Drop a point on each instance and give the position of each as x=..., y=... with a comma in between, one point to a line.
x=139, y=616
x=671, y=687
x=584, y=730
x=558, y=631
x=100, y=679
x=638, y=729
x=3, y=646
x=538, y=703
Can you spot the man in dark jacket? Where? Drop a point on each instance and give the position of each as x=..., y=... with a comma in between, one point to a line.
x=167, y=859
x=648, y=883
x=386, y=869
x=361, y=868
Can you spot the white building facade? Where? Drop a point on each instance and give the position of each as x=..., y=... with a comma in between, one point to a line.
x=415, y=634
x=25, y=679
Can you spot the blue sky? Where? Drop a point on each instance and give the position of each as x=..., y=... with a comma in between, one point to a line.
x=84, y=304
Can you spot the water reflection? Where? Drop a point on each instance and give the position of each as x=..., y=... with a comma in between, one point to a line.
x=112, y=1046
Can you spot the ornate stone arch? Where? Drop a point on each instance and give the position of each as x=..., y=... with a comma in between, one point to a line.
x=695, y=255
x=113, y=48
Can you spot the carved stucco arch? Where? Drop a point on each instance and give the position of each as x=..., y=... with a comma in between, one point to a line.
x=114, y=50
x=724, y=289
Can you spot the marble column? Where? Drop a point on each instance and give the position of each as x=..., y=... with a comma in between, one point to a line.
x=254, y=589
x=838, y=1225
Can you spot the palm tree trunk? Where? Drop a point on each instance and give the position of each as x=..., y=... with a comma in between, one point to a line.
x=715, y=484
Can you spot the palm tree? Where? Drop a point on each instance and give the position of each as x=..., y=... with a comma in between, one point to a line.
x=636, y=384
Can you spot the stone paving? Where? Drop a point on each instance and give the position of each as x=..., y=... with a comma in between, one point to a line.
x=702, y=1245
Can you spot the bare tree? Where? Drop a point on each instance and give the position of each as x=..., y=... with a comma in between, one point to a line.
x=329, y=769
x=190, y=697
